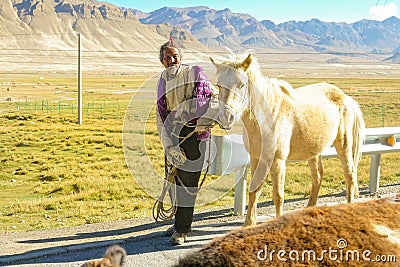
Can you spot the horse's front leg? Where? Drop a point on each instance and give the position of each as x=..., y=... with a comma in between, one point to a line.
x=251, y=216
x=278, y=170
x=316, y=177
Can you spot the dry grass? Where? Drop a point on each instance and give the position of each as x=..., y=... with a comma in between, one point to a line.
x=56, y=173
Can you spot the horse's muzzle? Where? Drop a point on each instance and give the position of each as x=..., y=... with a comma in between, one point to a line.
x=227, y=118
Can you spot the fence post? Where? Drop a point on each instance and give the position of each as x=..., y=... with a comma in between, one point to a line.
x=240, y=191
x=119, y=108
x=79, y=80
x=87, y=110
x=101, y=111
x=374, y=173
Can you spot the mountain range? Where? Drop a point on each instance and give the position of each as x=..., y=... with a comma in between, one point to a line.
x=223, y=27
x=43, y=27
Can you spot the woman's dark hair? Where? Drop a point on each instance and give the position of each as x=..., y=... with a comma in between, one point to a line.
x=170, y=44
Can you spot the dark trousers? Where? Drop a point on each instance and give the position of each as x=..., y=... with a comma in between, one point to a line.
x=187, y=179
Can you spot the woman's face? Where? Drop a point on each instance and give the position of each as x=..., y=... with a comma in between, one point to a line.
x=171, y=57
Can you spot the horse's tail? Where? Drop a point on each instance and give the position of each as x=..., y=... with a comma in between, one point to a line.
x=358, y=128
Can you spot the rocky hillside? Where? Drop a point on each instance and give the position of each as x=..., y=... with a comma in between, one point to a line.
x=50, y=27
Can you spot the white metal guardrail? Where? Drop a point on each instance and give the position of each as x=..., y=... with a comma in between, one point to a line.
x=231, y=156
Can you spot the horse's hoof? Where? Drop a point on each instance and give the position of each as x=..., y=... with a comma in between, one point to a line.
x=249, y=224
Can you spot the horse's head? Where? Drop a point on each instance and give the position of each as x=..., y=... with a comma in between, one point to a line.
x=232, y=82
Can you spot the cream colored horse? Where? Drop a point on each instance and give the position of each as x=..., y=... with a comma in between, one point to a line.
x=282, y=123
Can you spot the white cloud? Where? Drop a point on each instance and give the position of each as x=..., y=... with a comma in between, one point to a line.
x=383, y=12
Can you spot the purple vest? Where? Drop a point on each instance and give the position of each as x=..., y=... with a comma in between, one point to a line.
x=203, y=95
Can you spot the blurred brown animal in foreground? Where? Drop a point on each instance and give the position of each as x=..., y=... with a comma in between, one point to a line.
x=358, y=234
x=114, y=257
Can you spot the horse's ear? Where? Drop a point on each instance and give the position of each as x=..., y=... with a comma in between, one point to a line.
x=247, y=62
x=214, y=62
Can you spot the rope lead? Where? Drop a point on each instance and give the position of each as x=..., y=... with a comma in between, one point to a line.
x=177, y=156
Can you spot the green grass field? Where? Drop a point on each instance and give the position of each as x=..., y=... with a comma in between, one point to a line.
x=55, y=173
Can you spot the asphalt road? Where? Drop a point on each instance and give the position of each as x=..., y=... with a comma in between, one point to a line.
x=144, y=241
x=151, y=250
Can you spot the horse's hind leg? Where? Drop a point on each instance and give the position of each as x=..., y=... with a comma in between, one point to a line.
x=348, y=144
x=316, y=177
x=278, y=170
x=349, y=167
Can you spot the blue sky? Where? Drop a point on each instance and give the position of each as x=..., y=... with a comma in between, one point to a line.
x=284, y=10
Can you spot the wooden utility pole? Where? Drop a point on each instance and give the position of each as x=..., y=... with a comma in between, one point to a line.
x=79, y=80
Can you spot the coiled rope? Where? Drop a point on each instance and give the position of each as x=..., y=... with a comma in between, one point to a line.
x=160, y=212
